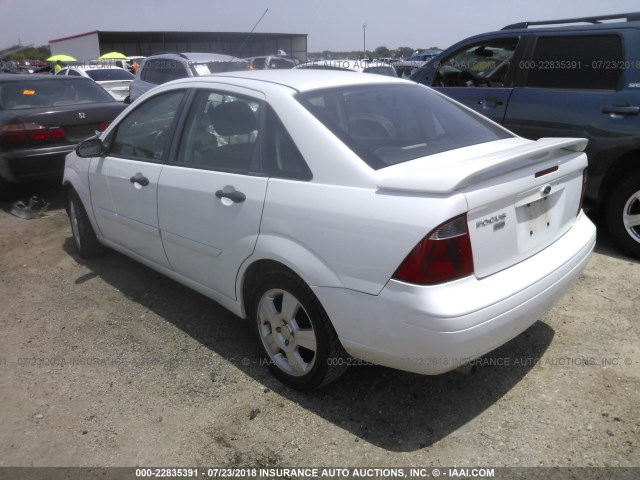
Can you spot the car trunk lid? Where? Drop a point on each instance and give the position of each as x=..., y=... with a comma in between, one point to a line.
x=521, y=195
x=78, y=122
x=119, y=89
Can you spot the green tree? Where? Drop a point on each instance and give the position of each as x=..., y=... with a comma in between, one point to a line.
x=404, y=52
x=382, y=52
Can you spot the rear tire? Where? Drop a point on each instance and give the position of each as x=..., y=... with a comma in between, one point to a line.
x=84, y=236
x=294, y=332
x=623, y=216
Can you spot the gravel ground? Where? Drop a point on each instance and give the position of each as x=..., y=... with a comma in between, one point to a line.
x=107, y=363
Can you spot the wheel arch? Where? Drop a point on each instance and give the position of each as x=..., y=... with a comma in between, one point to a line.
x=73, y=181
x=277, y=253
x=625, y=166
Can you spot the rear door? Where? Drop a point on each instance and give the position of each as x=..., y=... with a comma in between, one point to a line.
x=211, y=194
x=573, y=86
x=124, y=183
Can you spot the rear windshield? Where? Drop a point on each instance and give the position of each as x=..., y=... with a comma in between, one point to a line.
x=389, y=124
x=51, y=93
x=106, y=74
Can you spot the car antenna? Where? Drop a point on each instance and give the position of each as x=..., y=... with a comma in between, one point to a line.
x=249, y=34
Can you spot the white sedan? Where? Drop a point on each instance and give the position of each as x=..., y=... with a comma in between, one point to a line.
x=114, y=80
x=346, y=215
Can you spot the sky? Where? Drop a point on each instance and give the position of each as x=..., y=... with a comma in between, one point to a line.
x=335, y=25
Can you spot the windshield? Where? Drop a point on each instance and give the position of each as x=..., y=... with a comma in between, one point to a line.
x=106, y=74
x=389, y=124
x=216, y=67
x=50, y=93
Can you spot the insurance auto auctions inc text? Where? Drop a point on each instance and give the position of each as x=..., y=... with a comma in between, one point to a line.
x=340, y=473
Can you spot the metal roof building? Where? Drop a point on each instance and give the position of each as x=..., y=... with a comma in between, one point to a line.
x=90, y=45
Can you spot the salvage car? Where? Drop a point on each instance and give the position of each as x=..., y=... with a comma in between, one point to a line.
x=164, y=67
x=556, y=78
x=365, y=66
x=346, y=215
x=114, y=80
x=43, y=118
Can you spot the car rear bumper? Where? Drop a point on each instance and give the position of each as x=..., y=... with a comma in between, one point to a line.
x=434, y=329
x=20, y=166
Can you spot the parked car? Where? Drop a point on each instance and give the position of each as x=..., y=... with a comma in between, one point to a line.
x=270, y=62
x=42, y=118
x=407, y=68
x=366, y=66
x=162, y=68
x=12, y=66
x=341, y=213
x=114, y=80
x=573, y=80
x=425, y=55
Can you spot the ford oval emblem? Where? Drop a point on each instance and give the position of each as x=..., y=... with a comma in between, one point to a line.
x=546, y=190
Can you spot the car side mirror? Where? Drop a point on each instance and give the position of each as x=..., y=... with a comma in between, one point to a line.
x=91, y=147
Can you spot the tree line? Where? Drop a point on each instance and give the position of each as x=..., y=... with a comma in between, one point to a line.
x=378, y=52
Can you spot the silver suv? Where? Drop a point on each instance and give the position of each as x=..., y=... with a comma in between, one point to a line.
x=164, y=67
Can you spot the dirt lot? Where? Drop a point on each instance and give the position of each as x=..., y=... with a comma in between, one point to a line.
x=107, y=363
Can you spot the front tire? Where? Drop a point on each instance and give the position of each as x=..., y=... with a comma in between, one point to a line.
x=294, y=332
x=84, y=237
x=623, y=216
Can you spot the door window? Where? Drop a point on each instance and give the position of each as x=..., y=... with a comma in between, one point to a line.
x=485, y=64
x=221, y=132
x=592, y=62
x=145, y=133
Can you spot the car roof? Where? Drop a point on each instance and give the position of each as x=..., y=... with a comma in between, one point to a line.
x=299, y=80
x=346, y=64
x=197, y=57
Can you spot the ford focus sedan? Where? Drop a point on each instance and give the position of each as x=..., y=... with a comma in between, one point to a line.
x=345, y=215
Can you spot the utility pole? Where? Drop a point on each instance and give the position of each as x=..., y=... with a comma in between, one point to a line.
x=364, y=40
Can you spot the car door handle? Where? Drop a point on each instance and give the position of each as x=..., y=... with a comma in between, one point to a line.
x=490, y=102
x=621, y=109
x=139, y=179
x=235, y=196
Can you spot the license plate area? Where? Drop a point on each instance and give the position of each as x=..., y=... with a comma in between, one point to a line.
x=538, y=220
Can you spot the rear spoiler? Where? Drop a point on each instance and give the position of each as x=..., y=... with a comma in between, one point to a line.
x=421, y=176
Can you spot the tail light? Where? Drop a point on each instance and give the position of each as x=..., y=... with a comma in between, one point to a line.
x=103, y=126
x=584, y=189
x=29, y=132
x=443, y=255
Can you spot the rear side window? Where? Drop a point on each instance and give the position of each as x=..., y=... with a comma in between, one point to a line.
x=592, y=62
x=282, y=157
x=389, y=124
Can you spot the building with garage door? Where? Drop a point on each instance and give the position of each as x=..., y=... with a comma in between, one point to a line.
x=89, y=46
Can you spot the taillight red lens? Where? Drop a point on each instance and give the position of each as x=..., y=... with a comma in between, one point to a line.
x=584, y=189
x=103, y=126
x=13, y=132
x=19, y=132
x=443, y=255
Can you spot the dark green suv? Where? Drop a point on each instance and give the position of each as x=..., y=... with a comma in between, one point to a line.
x=581, y=79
